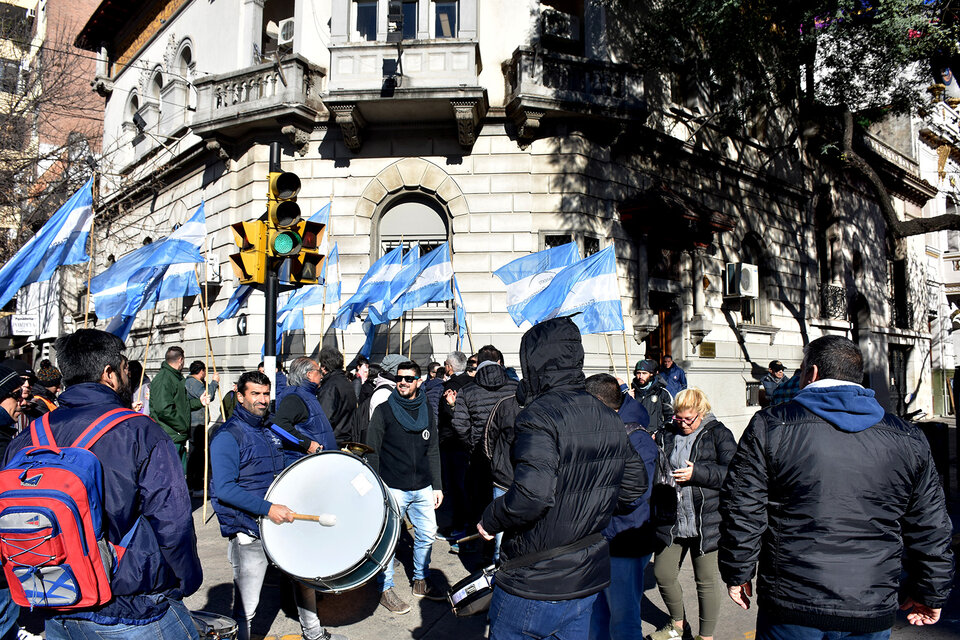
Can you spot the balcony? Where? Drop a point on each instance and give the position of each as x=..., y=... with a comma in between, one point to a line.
x=542, y=84
x=423, y=81
x=284, y=95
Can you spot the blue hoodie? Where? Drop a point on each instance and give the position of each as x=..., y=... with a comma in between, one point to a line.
x=848, y=407
x=632, y=411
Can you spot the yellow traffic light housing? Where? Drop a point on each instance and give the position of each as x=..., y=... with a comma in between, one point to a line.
x=250, y=264
x=306, y=266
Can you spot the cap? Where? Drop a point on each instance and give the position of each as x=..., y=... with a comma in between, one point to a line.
x=21, y=367
x=49, y=376
x=390, y=362
x=776, y=365
x=646, y=365
x=10, y=381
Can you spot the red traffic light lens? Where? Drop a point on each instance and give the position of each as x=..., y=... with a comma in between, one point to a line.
x=310, y=239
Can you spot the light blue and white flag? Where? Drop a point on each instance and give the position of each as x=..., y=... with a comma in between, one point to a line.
x=587, y=290
x=373, y=287
x=331, y=276
x=431, y=283
x=461, y=313
x=370, y=329
x=236, y=301
x=379, y=311
x=61, y=241
x=527, y=276
x=120, y=288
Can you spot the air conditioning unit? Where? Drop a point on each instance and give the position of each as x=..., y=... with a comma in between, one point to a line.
x=743, y=280
x=31, y=13
x=285, y=35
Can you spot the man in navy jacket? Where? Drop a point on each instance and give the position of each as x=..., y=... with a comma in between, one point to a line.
x=143, y=487
x=246, y=456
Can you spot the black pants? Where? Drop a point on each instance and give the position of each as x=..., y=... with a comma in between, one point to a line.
x=454, y=461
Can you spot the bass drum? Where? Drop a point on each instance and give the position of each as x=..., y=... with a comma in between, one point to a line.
x=352, y=551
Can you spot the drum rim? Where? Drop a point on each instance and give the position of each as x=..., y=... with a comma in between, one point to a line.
x=363, y=559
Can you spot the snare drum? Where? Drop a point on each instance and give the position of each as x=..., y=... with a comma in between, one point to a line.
x=211, y=626
x=352, y=551
x=472, y=595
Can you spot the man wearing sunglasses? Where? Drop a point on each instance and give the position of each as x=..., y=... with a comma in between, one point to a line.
x=406, y=455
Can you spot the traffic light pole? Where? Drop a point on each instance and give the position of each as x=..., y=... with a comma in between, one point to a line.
x=270, y=330
x=270, y=293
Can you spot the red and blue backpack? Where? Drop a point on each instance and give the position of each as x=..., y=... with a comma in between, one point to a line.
x=52, y=542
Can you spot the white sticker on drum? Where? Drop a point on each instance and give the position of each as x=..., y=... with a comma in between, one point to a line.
x=361, y=484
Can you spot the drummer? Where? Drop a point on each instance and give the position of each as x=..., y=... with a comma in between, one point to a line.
x=245, y=457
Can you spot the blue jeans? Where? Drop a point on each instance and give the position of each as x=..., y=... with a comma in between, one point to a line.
x=516, y=618
x=175, y=624
x=9, y=612
x=616, y=613
x=497, y=492
x=769, y=630
x=418, y=508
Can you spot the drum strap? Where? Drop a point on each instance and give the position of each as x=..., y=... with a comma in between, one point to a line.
x=532, y=558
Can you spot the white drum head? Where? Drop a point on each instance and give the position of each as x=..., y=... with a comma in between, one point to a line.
x=330, y=482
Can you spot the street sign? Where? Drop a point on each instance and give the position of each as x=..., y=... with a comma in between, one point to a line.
x=25, y=324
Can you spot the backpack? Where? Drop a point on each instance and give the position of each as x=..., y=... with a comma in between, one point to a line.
x=52, y=541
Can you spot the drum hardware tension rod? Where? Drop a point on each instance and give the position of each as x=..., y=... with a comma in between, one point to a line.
x=325, y=519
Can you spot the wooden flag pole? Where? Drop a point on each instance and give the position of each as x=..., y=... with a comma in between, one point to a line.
x=146, y=349
x=410, y=344
x=613, y=365
x=86, y=313
x=626, y=351
x=223, y=410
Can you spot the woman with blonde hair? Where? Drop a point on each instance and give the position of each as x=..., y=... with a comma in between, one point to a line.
x=695, y=450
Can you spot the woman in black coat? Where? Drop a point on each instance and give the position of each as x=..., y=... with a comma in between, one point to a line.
x=695, y=450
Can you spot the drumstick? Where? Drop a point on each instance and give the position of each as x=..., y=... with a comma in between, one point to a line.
x=325, y=519
x=475, y=536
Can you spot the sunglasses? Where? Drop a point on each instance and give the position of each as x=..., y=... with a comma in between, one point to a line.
x=408, y=378
x=686, y=420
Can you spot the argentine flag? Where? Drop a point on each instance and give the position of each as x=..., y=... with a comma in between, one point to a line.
x=379, y=311
x=123, y=288
x=527, y=276
x=373, y=287
x=331, y=276
x=587, y=290
x=430, y=283
x=461, y=312
x=61, y=241
x=236, y=301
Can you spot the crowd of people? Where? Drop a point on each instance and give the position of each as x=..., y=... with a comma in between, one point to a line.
x=573, y=484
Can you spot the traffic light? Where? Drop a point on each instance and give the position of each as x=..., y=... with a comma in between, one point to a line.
x=250, y=264
x=394, y=21
x=306, y=266
x=283, y=215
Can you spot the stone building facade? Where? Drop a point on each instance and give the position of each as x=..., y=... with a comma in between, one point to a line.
x=504, y=128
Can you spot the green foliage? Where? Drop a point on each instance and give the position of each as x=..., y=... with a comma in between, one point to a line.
x=865, y=55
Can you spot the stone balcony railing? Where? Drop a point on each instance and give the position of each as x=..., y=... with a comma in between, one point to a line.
x=538, y=82
x=284, y=93
x=427, y=64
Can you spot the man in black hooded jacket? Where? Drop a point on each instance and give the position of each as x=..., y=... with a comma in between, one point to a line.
x=836, y=499
x=573, y=466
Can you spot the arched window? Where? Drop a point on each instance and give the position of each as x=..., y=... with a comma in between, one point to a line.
x=155, y=86
x=185, y=63
x=133, y=105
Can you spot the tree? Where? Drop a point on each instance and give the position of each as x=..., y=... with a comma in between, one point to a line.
x=50, y=124
x=834, y=65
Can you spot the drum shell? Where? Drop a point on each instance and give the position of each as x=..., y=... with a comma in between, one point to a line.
x=472, y=595
x=358, y=547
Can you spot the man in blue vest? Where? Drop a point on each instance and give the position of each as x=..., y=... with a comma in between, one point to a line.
x=246, y=455
x=303, y=424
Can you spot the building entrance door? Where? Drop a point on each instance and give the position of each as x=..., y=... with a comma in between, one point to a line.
x=898, y=378
x=659, y=341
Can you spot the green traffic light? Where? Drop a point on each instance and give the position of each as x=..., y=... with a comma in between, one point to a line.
x=285, y=243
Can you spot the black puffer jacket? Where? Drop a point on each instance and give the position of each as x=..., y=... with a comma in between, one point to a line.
x=339, y=401
x=657, y=401
x=833, y=516
x=498, y=440
x=476, y=399
x=713, y=448
x=572, y=465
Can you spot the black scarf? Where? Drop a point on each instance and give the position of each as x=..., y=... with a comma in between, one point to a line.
x=403, y=407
